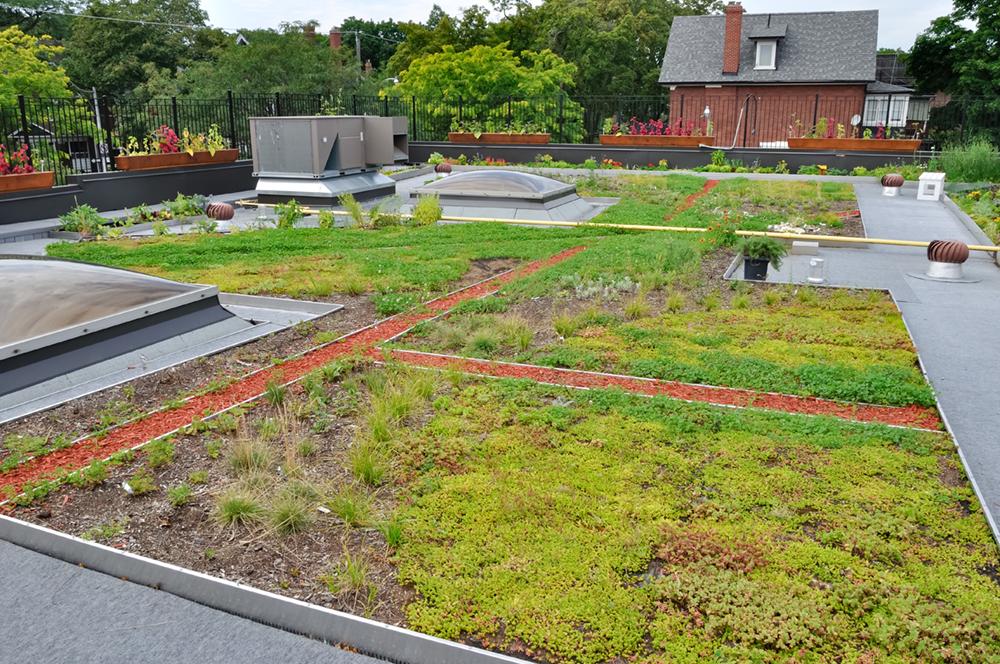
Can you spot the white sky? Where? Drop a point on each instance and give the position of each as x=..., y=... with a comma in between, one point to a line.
x=899, y=20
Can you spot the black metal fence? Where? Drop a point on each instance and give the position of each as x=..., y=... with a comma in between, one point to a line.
x=81, y=135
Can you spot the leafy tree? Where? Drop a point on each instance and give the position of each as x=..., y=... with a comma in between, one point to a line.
x=379, y=39
x=617, y=45
x=272, y=61
x=117, y=56
x=485, y=72
x=27, y=66
x=34, y=17
x=959, y=59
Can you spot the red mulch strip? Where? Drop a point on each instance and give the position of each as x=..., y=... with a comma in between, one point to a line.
x=908, y=416
x=252, y=386
x=689, y=201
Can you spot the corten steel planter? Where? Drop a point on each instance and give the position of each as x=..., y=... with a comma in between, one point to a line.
x=27, y=181
x=487, y=138
x=174, y=159
x=648, y=141
x=855, y=144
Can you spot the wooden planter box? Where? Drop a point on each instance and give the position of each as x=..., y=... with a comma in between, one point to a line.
x=174, y=159
x=855, y=144
x=26, y=181
x=647, y=141
x=498, y=138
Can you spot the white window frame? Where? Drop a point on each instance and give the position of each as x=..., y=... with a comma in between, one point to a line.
x=774, y=54
x=875, y=110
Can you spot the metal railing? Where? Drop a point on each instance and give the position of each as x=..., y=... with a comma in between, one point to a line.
x=83, y=134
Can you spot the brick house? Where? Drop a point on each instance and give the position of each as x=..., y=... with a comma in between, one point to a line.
x=765, y=77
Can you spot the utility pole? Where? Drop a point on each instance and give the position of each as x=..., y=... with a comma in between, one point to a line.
x=357, y=48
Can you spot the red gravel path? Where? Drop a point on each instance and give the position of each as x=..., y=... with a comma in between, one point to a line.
x=252, y=386
x=909, y=416
x=689, y=201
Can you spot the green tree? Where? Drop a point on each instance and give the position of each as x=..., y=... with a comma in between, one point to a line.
x=379, y=39
x=27, y=66
x=40, y=17
x=271, y=61
x=960, y=52
x=617, y=45
x=116, y=56
x=485, y=72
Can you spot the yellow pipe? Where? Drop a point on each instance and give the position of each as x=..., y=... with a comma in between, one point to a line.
x=846, y=239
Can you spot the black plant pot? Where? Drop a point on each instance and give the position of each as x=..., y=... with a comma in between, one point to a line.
x=754, y=269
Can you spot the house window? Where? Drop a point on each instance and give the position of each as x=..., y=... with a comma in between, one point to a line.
x=766, y=51
x=886, y=110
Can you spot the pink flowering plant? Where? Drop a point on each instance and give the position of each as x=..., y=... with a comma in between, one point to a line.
x=652, y=127
x=163, y=140
x=17, y=162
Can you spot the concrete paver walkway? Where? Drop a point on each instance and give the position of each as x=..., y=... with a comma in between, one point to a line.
x=955, y=326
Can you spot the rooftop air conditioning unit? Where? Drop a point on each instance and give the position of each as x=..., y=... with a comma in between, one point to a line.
x=316, y=159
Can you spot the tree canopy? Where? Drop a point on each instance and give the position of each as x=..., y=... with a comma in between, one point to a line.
x=485, y=72
x=27, y=66
x=954, y=57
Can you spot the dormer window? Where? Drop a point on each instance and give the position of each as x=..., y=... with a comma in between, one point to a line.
x=767, y=50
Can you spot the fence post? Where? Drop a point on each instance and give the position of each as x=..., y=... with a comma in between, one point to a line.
x=102, y=108
x=173, y=113
x=888, y=115
x=232, y=119
x=562, y=118
x=413, y=113
x=277, y=103
x=25, y=133
x=385, y=105
x=354, y=104
x=509, y=118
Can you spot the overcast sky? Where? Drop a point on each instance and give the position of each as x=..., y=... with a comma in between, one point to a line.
x=899, y=20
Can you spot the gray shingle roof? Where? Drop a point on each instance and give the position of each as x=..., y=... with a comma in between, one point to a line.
x=818, y=47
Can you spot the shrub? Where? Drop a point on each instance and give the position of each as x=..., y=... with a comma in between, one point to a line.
x=159, y=453
x=674, y=302
x=637, y=307
x=141, y=482
x=289, y=214
x=427, y=211
x=82, y=219
x=388, y=304
x=326, y=219
x=186, y=206
x=565, y=325
x=764, y=248
x=975, y=161
x=198, y=477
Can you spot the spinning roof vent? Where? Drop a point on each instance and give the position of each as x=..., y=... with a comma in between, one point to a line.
x=497, y=194
x=316, y=159
x=68, y=329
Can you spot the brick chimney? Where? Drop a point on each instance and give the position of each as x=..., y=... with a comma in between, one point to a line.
x=336, y=38
x=734, y=34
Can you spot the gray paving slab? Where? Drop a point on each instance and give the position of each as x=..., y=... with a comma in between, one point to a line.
x=60, y=613
x=953, y=325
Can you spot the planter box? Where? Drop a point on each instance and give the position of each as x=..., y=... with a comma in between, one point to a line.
x=855, y=144
x=646, y=141
x=498, y=138
x=174, y=159
x=26, y=181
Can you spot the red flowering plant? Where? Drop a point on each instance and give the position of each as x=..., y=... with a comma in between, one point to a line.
x=17, y=162
x=652, y=127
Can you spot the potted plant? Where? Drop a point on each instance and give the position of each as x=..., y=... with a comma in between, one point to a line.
x=165, y=149
x=656, y=133
x=17, y=173
x=470, y=132
x=828, y=134
x=757, y=253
